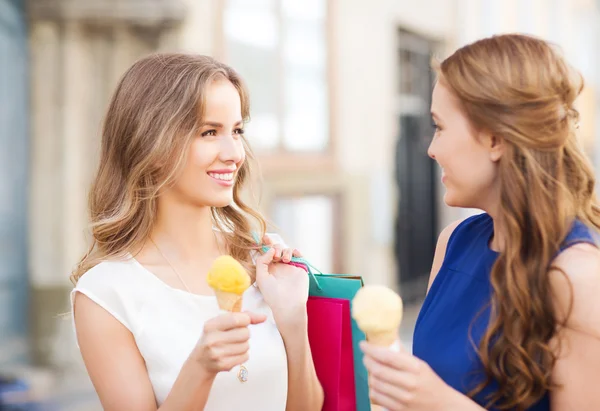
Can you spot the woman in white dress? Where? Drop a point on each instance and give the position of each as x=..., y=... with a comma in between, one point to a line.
x=166, y=201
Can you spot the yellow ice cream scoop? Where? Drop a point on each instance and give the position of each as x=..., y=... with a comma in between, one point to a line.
x=229, y=279
x=377, y=311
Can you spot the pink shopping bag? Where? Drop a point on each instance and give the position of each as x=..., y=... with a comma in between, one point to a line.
x=330, y=337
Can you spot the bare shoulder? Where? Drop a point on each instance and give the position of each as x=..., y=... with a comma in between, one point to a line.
x=111, y=357
x=447, y=232
x=576, y=280
x=108, y=347
x=575, y=284
x=440, y=250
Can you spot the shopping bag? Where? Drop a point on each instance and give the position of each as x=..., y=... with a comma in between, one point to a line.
x=330, y=336
x=345, y=287
x=340, y=286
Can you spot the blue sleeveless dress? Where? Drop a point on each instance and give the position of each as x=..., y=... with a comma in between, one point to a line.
x=459, y=292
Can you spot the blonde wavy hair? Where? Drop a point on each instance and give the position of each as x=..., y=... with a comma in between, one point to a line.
x=519, y=88
x=154, y=114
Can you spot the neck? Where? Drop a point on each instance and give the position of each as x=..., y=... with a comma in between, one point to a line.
x=497, y=243
x=184, y=231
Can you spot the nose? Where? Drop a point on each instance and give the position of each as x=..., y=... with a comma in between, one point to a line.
x=430, y=149
x=232, y=149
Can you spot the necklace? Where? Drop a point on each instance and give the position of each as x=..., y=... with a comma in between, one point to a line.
x=242, y=374
x=172, y=267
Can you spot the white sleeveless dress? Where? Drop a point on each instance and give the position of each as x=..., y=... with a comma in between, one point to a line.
x=167, y=323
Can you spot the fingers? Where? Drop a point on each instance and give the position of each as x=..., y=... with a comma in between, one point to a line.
x=383, y=400
x=389, y=381
x=287, y=255
x=402, y=361
x=262, y=265
x=226, y=342
x=234, y=336
x=234, y=321
x=234, y=361
x=278, y=252
x=267, y=240
x=256, y=318
x=382, y=389
x=266, y=258
x=233, y=350
x=227, y=322
x=226, y=356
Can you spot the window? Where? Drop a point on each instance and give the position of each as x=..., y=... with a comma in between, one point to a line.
x=416, y=173
x=280, y=49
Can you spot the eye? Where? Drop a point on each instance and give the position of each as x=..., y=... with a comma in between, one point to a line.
x=239, y=131
x=209, y=133
x=436, y=127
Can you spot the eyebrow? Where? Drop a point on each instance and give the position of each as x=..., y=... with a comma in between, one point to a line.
x=219, y=125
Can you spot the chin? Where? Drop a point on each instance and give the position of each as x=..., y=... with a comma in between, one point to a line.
x=213, y=201
x=451, y=200
x=221, y=203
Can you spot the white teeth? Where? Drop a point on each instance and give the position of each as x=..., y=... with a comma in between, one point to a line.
x=222, y=176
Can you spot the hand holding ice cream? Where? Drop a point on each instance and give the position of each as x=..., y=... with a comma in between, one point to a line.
x=377, y=311
x=229, y=279
x=397, y=379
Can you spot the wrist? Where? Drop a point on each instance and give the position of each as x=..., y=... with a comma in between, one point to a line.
x=454, y=400
x=198, y=371
x=292, y=320
x=191, y=389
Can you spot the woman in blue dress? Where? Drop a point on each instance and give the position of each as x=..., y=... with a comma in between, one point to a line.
x=511, y=320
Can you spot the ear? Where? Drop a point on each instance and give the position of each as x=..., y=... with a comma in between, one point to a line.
x=495, y=146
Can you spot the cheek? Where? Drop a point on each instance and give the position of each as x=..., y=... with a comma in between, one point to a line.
x=479, y=170
x=202, y=155
x=243, y=153
x=467, y=161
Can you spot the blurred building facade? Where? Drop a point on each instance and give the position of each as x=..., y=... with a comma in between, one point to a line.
x=14, y=143
x=340, y=95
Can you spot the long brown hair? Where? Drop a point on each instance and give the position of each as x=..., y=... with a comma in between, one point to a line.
x=155, y=113
x=520, y=89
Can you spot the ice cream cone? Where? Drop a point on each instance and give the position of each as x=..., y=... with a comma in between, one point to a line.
x=231, y=302
x=229, y=280
x=383, y=339
x=378, y=313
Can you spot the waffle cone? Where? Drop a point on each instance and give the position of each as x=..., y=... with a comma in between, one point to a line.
x=229, y=301
x=383, y=339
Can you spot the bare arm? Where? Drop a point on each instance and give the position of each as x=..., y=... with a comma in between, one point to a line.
x=118, y=370
x=576, y=370
x=285, y=289
x=304, y=389
x=440, y=251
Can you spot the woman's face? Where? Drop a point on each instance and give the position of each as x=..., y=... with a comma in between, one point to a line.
x=468, y=157
x=217, y=153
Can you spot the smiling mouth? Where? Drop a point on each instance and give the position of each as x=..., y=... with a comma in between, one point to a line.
x=222, y=176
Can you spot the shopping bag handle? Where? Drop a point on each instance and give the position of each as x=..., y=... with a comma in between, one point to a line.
x=299, y=260
x=309, y=268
